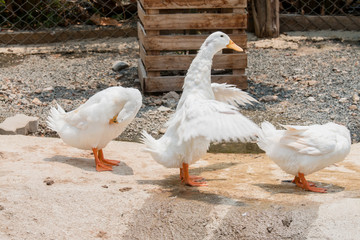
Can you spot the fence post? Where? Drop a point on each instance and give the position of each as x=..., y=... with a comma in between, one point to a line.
x=266, y=17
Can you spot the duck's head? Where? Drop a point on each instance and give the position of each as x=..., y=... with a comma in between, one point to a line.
x=219, y=40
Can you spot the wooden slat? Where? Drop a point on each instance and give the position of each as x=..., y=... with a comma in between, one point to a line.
x=141, y=74
x=292, y=22
x=187, y=4
x=181, y=42
x=182, y=62
x=175, y=83
x=192, y=21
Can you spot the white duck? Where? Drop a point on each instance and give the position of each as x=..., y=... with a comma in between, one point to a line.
x=203, y=114
x=302, y=150
x=100, y=119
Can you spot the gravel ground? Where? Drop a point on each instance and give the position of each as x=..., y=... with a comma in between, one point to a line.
x=298, y=80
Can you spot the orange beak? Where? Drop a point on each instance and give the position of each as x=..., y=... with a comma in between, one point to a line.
x=235, y=47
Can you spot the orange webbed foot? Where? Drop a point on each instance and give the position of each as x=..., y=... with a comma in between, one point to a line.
x=111, y=162
x=102, y=168
x=309, y=186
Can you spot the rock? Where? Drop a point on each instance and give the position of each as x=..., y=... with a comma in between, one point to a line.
x=311, y=83
x=12, y=96
x=49, y=181
x=311, y=99
x=343, y=100
x=172, y=95
x=36, y=101
x=38, y=91
x=157, y=102
x=125, y=189
x=48, y=89
x=105, y=186
x=164, y=109
x=24, y=101
x=356, y=97
x=1, y=208
x=269, y=98
x=334, y=95
x=353, y=107
x=162, y=130
x=119, y=65
x=269, y=229
x=19, y=124
x=286, y=222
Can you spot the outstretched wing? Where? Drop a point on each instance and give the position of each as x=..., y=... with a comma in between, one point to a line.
x=213, y=120
x=232, y=95
x=310, y=140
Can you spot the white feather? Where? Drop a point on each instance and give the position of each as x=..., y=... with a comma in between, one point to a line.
x=203, y=114
x=88, y=126
x=305, y=149
x=230, y=94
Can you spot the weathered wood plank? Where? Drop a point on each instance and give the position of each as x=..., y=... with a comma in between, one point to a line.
x=192, y=21
x=141, y=74
x=175, y=83
x=182, y=62
x=188, y=4
x=35, y=37
x=293, y=22
x=181, y=42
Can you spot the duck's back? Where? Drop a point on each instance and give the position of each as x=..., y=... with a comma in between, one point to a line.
x=89, y=125
x=305, y=149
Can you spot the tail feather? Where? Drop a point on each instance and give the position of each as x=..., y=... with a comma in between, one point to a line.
x=157, y=149
x=54, y=120
x=265, y=135
x=149, y=142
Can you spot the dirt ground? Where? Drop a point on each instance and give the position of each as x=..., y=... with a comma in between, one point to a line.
x=49, y=190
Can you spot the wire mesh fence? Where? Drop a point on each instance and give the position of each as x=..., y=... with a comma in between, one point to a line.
x=38, y=21
x=304, y=15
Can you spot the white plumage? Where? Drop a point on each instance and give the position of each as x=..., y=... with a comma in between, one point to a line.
x=99, y=120
x=203, y=114
x=302, y=150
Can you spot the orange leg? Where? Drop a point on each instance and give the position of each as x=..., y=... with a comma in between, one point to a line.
x=192, y=177
x=296, y=179
x=305, y=185
x=107, y=161
x=187, y=180
x=99, y=165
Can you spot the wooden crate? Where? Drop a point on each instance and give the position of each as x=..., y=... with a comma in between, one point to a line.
x=171, y=31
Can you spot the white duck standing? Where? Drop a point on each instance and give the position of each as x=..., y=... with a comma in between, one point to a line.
x=203, y=114
x=302, y=150
x=103, y=117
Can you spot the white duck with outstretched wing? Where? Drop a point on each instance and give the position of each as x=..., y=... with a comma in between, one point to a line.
x=206, y=112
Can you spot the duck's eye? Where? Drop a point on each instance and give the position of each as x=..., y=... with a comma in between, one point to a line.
x=221, y=35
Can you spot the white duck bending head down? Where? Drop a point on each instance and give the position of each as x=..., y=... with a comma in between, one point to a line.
x=206, y=112
x=302, y=150
x=99, y=120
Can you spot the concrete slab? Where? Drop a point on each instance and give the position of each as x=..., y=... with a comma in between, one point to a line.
x=19, y=124
x=49, y=190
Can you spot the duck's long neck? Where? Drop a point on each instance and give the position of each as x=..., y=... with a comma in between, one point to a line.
x=198, y=77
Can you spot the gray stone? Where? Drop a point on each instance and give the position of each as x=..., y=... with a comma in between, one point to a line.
x=343, y=100
x=269, y=98
x=19, y=124
x=311, y=99
x=119, y=65
x=48, y=89
x=356, y=97
x=172, y=95
x=36, y=101
x=164, y=109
